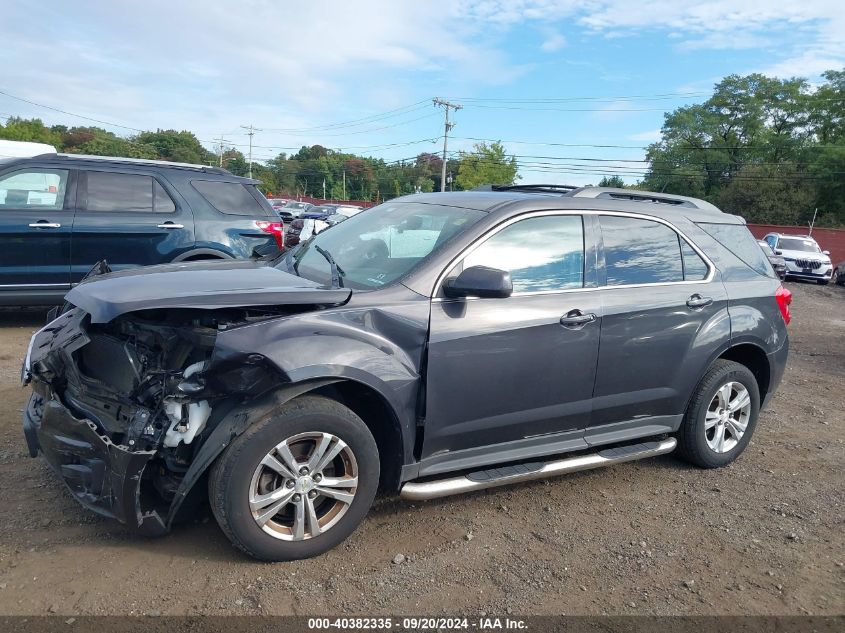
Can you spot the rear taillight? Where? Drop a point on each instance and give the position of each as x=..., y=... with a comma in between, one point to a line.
x=784, y=298
x=276, y=229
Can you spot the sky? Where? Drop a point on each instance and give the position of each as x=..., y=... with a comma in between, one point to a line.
x=574, y=88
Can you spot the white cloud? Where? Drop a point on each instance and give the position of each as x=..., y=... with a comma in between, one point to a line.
x=553, y=42
x=805, y=36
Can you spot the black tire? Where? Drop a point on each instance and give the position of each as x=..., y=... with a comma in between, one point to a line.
x=838, y=278
x=231, y=476
x=692, y=440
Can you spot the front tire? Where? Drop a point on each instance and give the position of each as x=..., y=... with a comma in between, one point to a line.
x=297, y=483
x=721, y=416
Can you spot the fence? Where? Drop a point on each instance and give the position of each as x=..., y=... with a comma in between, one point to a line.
x=832, y=240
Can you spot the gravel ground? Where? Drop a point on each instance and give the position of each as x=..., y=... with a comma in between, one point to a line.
x=763, y=536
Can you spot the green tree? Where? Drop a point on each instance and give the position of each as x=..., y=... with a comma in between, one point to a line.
x=612, y=181
x=486, y=164
x=770, y=149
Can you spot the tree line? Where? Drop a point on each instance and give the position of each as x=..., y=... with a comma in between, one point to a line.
x=312, y=171
x=771, y=150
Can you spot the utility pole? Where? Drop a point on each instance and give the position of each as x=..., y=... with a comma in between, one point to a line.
x=251, y=133
x=344, y=185
x=813, y=223
x=220, y=145
x=448, y=126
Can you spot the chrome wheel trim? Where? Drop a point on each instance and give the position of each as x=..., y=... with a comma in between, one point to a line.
x=303, y=486
x=727, y=416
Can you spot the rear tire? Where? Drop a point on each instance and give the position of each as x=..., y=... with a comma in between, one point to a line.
x=275, y=498
x=716, y=429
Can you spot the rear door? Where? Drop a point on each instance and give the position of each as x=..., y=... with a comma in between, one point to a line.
x=36, y=216
x=129, y=218
x=664, y=314
x=517, y=372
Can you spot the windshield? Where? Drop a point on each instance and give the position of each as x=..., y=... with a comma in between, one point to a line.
x=382, y=244
x=798, y=244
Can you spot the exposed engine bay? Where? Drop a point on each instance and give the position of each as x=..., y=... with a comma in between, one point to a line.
x=149, y=385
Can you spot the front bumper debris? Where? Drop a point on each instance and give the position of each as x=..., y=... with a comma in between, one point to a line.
x=102, y=476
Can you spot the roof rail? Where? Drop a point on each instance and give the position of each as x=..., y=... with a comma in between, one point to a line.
x=145, y=161
x=635, y=195
x=528, y=188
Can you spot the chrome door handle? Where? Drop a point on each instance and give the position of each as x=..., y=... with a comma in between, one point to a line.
x=575, y=319
x=45, y=225
x=171, y=225
x=697, y=301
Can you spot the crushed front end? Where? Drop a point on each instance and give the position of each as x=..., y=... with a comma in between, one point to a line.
x=120, y=409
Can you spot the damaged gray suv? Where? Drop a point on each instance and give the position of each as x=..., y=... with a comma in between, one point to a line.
x=436, y=344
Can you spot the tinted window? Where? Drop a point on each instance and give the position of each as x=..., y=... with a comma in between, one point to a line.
x=640, y=252
x=109, y=191
x=229, y=197
x=542, y=253
x=163, y=201
x=739, y=241
x=33, y=189
x=695, y=268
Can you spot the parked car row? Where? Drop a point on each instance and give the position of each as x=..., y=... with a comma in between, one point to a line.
x=291, y=209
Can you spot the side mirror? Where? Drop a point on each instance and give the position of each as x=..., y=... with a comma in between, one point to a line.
x=778, y=252
x=826, y=253
x=480, y=281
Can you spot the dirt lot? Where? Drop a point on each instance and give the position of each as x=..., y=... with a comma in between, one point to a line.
x=764, y=536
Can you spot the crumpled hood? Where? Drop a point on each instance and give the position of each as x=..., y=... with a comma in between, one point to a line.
x=203, y=285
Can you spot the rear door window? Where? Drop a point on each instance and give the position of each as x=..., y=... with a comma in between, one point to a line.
x=638, y=251
x=233, y=198
x=695, y=268
x=113, y=192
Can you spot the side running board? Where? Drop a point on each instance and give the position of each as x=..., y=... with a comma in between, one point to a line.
x=505, y=475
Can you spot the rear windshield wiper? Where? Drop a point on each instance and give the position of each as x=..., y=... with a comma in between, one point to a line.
x=337, y=271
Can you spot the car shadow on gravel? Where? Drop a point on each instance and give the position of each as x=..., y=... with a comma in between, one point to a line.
x=23, y=317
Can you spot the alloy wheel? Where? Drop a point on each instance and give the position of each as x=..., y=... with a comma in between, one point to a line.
x=727, y=417
x=303, y=486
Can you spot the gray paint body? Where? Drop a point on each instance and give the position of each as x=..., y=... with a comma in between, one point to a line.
x=472, y=382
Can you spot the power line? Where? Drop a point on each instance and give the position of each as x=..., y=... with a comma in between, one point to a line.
x=80, y=116
x=609, y=146
x=354, y=122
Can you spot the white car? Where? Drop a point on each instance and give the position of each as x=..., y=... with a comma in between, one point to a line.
x=803, y=256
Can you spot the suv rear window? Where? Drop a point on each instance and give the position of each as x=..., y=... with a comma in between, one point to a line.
x=739, y=241
x=233, y=198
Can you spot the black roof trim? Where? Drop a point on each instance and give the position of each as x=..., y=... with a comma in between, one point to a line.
x=532, y=188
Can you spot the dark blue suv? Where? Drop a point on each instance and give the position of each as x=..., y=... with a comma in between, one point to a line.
x=62, y=213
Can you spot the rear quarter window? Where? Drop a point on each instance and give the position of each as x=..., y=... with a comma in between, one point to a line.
x=739, y=241
x=233, y=198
